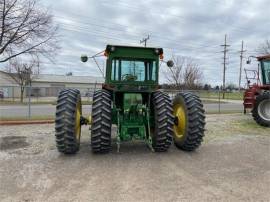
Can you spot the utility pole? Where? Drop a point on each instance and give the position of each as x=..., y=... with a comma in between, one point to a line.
x=241, y=63
x=144, y=40
x=225, y=45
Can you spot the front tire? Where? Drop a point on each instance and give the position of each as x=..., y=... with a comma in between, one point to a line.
x=189, y=121
x=261, y=110
x=67, y=121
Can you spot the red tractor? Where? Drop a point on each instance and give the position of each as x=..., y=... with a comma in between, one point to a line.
x=257, y=95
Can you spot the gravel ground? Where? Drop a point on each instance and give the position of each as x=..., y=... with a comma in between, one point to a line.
x=233, y=164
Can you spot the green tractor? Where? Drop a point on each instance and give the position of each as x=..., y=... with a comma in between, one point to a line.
x=130, y=99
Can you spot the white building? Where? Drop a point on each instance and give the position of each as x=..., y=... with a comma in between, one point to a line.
x=48, y=85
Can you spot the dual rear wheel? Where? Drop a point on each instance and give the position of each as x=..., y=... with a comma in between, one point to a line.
x=181, y=121
x=189, y=121
x=67, y=121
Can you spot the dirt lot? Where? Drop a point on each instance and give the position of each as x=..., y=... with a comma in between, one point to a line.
x=233, y=164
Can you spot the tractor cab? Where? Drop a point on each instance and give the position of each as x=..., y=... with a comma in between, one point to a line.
x=261, y=76
x=132, y=68
x=265, y=69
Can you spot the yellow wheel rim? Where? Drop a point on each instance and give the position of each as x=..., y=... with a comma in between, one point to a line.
x=180, y=125
x=78, y=121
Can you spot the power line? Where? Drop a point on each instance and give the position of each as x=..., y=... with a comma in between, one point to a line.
x=115, y=38
x=154, y=35
x=241, y=63
x=144, y=40
x=84, y=27
x=198, y=20
x=225, y=45
x=102, y=34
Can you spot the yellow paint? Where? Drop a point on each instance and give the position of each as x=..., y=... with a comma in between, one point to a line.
x=89, y=120
x=78, y=121
x=179, y=112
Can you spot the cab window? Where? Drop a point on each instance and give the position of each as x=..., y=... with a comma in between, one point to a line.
x=133, y=70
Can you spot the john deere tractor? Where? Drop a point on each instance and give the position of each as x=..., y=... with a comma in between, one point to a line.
x=130, y=99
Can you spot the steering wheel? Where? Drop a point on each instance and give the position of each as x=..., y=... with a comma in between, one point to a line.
x=129, y=77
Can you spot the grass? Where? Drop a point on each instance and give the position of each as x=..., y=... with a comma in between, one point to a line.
x=225, y=112
x=208, y=101
x=52, y=117
x=216, y=95
x=83, y=102
x=8, y=102
x=33, y=118
x=249, y=125
x=223, y=126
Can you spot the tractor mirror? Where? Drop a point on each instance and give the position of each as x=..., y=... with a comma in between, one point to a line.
x=170, y=63
x=84, y=58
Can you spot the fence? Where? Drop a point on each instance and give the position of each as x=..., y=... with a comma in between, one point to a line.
x=40, y=101
x=12, y=94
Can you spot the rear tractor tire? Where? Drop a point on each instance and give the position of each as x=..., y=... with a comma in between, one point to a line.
x=101, y=122
x=261, y=110
x=162, y=132
x=189, y=121
x=68, y=121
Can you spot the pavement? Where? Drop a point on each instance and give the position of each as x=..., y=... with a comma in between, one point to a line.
x=19, y=111
x=26, y=121
x=45, y=110
x=233, y=164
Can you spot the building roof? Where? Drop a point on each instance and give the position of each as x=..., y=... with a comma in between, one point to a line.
x=51, y=78
x=5, y=79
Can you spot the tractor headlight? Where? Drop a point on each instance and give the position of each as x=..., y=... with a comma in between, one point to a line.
x=112, y=49
x=158, y=51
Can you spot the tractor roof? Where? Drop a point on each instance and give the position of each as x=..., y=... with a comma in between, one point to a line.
x=124, y=46
x=264, y=57
x=134, y=51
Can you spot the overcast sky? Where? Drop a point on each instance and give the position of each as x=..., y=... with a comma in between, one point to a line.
x=189, y=28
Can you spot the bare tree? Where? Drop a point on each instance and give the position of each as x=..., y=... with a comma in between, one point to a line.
x=264, y=48
x=173, y=74
x=25, y=29
x=184, y=73
x=192, y=75
x=23, y=73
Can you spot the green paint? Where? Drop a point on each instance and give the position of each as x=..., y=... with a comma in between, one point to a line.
x=132, y=66
x=133, y=117
x=132, y=76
